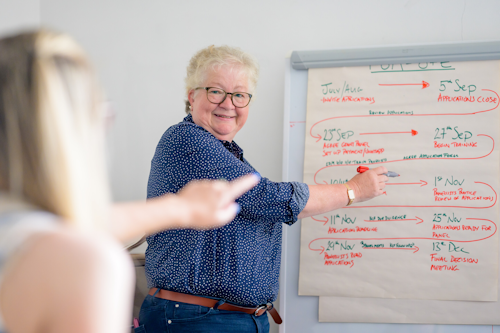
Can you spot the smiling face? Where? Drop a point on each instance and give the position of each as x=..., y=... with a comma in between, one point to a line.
x=223, y=120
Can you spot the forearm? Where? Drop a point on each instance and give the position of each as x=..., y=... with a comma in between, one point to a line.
x=135, y=219
x=324, y=198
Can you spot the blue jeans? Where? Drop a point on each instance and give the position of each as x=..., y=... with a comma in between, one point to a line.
x=161, y=316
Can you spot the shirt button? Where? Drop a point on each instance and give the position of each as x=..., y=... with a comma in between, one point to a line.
x=176, y=305
x=170, y=322
x=267, y=258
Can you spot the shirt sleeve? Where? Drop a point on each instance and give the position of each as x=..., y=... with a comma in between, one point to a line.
x=300, y=194
x=188, y=152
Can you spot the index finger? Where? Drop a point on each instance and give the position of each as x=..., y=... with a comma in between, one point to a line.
x=240, y=186
x=380, y=170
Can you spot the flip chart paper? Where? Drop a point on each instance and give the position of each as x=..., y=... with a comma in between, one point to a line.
x=409, y=311
x=433, y=233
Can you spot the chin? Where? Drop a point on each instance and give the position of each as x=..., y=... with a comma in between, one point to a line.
x=224, y=131
x=226, y=136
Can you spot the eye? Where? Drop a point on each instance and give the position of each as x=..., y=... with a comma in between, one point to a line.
x=239, y=95
x=215, y=92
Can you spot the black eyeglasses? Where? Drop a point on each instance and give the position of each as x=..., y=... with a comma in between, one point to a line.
x=217, y=96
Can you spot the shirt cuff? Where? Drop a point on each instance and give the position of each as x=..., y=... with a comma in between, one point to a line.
x=299, y=200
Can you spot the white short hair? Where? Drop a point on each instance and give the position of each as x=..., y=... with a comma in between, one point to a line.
x=214, y=57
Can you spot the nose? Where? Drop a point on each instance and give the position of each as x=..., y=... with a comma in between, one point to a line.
x=227, y=103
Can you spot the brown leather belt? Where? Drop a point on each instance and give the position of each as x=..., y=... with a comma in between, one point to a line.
x=210, y=303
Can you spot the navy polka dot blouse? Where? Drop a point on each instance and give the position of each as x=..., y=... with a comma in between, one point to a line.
x=239, y=262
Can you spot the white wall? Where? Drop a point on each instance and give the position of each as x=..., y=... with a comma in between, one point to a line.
x=141, y=49
x=18, y=14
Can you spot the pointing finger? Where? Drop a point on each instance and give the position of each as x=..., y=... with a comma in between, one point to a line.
x=241, y=185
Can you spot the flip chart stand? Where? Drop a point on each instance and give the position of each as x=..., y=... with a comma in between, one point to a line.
x=300, y=313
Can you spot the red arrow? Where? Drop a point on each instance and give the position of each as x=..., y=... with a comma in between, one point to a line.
x=412, y=132
x=322, y=250
x=417, y=219
x=390, y=238
x=421, y=183
x=423, y=84
x=324, y=222
x=433, y=114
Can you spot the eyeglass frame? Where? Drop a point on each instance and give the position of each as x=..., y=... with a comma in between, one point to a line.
x=225, y=95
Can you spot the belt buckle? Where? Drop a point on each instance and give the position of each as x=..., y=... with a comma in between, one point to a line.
x=261, y=307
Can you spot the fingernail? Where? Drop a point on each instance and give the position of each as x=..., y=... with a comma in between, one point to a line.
x=238, y=208
x=256, y=174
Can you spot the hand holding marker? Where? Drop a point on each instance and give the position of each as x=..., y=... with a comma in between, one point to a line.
x=362, y=169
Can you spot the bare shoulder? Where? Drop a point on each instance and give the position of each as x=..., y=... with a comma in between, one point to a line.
x=61, y=273
x=64, y=253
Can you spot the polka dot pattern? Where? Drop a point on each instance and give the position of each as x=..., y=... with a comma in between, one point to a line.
x=239, y=262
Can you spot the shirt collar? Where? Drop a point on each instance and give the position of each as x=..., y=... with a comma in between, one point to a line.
x=232, y=147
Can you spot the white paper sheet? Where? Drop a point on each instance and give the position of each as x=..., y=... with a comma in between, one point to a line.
x=433, y=234
x=408, y=311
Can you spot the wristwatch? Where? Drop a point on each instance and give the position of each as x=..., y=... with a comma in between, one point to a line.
x=350, y=194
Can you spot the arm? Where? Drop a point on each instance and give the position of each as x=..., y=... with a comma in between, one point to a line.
x=189, y=152
x=325, y=198
x=200, y=204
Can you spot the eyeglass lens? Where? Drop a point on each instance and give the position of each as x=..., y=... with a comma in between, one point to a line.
x=217, y=96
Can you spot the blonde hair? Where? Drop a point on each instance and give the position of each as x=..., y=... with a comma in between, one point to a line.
x=213, y=58
x=51, y=128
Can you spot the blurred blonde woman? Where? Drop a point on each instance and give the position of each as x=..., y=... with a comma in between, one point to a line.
x=62, y=268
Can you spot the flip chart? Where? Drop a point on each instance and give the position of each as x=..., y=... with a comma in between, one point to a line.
x=433, y=234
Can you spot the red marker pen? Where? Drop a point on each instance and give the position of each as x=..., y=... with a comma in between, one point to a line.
x=362, y=169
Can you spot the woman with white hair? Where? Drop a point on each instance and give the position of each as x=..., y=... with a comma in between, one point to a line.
x=61, y=267
x=224, y=280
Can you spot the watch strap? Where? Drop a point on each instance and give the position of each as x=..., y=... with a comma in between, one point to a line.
x=350, y=194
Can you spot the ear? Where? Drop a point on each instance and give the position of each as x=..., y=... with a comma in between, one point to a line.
x=191, y=96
